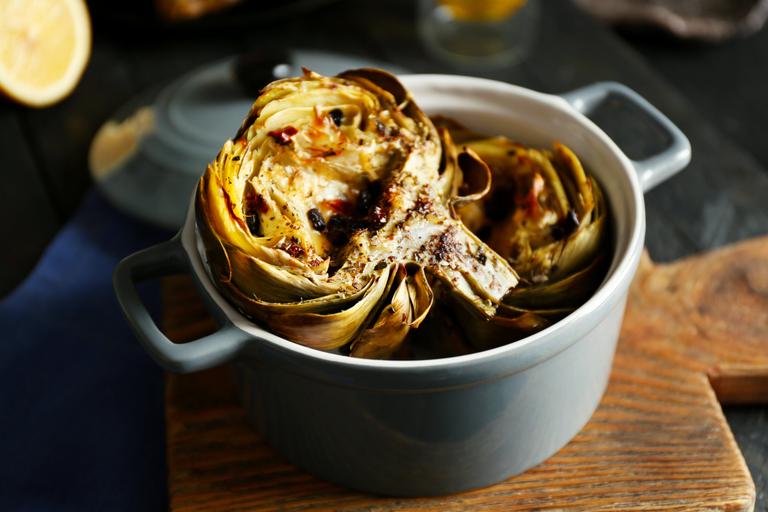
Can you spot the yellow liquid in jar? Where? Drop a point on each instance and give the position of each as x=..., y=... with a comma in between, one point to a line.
x=482, y=10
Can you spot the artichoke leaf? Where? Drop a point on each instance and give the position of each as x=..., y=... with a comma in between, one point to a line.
x=410, y=304
x=476, y=176
x=505, y=327
x=585, y=244
x=330, y=303
x=578, y=185
x=480, y=277
x=541, y=165
x=507, y=313
x=570, y=291
x=270, y=282
x=450, y=175
x=420, y=294
x=440, y=335
x=333, y=330
x=459, y=133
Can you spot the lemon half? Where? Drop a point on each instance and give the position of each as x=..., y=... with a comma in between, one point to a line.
x=44, y=47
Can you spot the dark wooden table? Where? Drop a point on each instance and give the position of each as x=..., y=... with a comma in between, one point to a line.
x=715, y=93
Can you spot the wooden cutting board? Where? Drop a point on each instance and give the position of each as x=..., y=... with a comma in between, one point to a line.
x=695, y=335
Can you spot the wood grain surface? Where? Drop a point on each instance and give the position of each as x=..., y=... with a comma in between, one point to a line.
x=715, y=93
x=694, y=330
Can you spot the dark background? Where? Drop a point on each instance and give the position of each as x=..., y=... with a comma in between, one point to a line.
x=717, y=93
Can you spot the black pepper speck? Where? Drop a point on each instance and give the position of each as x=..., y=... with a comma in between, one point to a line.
x=316, y=219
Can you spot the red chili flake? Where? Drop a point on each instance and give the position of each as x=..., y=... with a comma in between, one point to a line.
x=261, y=204
x=255, y=202
x=293, y=248
x=379, y=216
x=531, y=200
x=340, y=206
x=315, y=262
x=249, y=200
x=231, y=209
x=423, y=205
x=283, y=136
x=295, y=251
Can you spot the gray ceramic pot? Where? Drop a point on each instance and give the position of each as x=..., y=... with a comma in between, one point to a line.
x=444, y=425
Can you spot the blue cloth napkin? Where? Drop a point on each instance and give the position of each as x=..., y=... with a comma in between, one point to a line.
x=81, y=404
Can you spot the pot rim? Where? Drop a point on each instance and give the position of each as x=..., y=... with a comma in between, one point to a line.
x=545, y=343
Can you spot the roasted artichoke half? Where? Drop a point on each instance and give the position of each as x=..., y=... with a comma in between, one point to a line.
x=547, y=218
x=331, y=218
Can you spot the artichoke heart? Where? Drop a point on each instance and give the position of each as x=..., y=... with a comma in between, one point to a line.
x=331, y=216
x=547, y=217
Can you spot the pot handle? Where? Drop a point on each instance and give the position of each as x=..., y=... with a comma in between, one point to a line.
x=161, y=260
x=652, y=170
